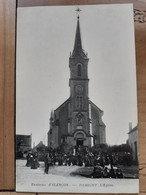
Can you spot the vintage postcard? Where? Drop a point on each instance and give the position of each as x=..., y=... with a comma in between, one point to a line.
x=76, y=100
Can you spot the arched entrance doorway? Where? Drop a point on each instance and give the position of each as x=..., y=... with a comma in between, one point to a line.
x=80, y=138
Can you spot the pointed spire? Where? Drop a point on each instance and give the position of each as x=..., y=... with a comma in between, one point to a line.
x=78, y=43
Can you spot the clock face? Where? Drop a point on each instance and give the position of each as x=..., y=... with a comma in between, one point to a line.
x=79, y=89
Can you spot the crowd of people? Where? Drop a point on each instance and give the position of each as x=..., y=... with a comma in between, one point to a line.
x=107, y=172
x=104, y=165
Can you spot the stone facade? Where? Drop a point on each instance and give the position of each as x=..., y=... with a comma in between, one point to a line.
x=78, y=121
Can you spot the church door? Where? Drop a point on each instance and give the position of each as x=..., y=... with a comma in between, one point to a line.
x=79, y=142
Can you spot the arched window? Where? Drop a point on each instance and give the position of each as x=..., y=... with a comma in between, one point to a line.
x=79, y=69
x=79, y=101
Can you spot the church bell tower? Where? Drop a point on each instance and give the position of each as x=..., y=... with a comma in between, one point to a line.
x=79, y=101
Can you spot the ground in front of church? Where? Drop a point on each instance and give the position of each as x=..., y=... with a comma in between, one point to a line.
x=66, y=177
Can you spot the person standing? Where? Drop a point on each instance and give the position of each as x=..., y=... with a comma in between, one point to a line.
x=29, y=159
x=47, y=163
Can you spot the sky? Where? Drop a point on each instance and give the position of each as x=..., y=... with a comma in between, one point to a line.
x=45, y=38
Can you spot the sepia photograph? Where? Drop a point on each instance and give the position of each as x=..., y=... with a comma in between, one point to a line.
x=76, y=99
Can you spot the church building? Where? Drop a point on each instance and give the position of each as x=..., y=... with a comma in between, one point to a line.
x=78, y=121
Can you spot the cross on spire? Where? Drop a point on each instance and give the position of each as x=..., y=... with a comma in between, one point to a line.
x=78, y=11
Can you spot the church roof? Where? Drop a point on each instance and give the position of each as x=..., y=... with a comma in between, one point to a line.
x=78, y=43
x=99, y=111
x=95, y=106
x=63, y=104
